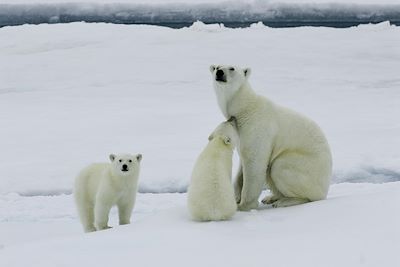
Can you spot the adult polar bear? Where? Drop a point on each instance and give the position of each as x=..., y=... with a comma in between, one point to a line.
x=278, y=146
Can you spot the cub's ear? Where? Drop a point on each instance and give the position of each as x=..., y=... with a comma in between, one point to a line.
x=139, y=157
x=112, y=157
x=211, y=137
x=247, y=72
x=212, y=68
x=227, y=140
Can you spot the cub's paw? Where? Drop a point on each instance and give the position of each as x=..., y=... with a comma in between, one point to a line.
x=100, y=228
x=90, y=229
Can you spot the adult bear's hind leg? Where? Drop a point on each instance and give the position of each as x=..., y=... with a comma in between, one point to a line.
x=289, y=201
x=275, y=194
x=299, y=178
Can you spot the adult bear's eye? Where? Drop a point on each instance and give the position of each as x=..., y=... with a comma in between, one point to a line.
x=130, y=160
x=120, y=160
x=231, y=69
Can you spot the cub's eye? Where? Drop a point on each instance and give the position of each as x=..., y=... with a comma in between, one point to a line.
x=120, y=160
x=130, y=160
x=231, y=69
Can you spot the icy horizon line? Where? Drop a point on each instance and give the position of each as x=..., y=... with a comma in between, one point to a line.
x=234, y=14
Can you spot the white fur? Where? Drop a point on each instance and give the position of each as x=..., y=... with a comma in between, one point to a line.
x=211, y=196
x=100, y=186
x=278, y=146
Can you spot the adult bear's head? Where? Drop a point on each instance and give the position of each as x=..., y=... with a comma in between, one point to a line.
x=227, y=76
x=227, y=81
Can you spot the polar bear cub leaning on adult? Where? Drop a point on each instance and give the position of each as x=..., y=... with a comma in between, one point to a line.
x=210, y=195
x=278, y=146
x=100, y=186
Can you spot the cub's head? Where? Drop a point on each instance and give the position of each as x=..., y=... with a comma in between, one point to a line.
x=125, y=164
x=227, y=132
x=232, y=77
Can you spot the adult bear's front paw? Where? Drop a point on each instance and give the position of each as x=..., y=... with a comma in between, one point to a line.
x=248, y=206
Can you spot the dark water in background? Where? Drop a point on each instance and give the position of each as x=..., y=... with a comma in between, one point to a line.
x=178, y=16
x=181, y=24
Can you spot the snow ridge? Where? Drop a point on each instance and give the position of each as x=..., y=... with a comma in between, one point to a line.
x=365, y=174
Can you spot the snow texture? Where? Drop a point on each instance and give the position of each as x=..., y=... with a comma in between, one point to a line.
x=74, y=93
x=175, y=13
x=71, y=94
x=356, y=226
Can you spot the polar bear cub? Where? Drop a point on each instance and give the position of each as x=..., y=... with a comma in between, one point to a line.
x=100, y=186
x=210, y=195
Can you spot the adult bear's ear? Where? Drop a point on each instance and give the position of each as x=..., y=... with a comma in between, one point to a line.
x=247, y=72
x=212, y=68
x=112, y=157
x=211, y=137
x=139, y=157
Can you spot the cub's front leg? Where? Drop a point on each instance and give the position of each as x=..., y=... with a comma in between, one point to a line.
x=125, y=211
x=103, y=204
x=102, y=211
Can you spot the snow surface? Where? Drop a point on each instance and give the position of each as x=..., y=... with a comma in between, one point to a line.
x=71, y=94
x=356, y=226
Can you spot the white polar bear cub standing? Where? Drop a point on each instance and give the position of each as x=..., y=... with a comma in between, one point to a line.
x=210, y=195
x=100, y=186
x=278, y=146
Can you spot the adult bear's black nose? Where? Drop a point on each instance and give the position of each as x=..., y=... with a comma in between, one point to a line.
x=124, y=167
x=219, y=73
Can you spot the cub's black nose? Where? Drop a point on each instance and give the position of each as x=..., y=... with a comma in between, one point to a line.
x=124, y=167
x=219, y=73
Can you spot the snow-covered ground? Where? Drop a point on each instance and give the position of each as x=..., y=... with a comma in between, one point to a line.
x=70, y=94
x=356, y=226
